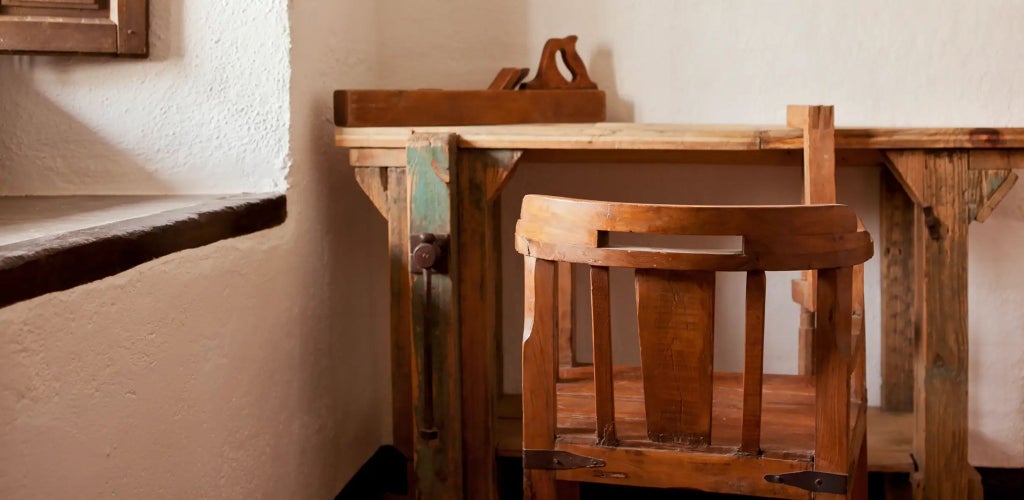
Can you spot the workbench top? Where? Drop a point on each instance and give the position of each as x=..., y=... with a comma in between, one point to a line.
x=637, y=136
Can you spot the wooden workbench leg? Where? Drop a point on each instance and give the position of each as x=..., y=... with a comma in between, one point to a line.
x=431, y=170
x=939, y=181
x=897, y=268
x=386, y=188
x=480, y=176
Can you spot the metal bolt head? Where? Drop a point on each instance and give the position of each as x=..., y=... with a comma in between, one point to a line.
x=425, y=255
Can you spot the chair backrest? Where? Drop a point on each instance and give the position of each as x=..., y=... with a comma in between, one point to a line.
x=675, y=294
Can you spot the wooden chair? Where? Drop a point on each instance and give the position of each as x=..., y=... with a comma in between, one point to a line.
x=674, y=422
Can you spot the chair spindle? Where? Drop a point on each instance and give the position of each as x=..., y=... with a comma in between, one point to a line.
x=600, y=306
x=753, y=364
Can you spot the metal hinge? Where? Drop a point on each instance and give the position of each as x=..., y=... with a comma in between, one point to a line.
x=558, y=460
x=811, y=480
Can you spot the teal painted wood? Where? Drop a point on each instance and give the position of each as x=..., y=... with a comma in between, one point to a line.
x=430, y=161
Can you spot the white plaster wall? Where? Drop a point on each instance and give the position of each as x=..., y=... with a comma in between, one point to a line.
x=253, y=367
x=881, y=63
x=207, y=112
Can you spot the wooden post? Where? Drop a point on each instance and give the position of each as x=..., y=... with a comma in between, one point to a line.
x=939, y=181
x=897, y=269
x=480, y=176
x=386, y=187
x=431, y=171
x=818, y=124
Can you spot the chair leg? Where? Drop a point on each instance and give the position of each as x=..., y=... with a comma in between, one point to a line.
x=540, y=485
x=860, y=476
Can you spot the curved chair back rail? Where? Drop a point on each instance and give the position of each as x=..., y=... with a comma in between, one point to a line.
x=775, y=238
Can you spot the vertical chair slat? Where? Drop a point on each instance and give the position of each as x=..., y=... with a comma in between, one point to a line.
x=600, y=306
x=753, y=363
x=540, y=366
x=832, y=370
x=566, y=340
x=675, y=319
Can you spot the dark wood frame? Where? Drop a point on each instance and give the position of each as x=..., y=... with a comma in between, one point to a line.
x=124, y=31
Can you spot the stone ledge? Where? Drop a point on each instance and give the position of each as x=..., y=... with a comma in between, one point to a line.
x=48, y=244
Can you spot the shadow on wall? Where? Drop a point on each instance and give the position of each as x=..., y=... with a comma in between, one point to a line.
x=33, y=125
x=602, y=70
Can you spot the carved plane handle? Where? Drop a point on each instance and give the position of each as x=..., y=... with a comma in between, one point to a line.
x=548, y=75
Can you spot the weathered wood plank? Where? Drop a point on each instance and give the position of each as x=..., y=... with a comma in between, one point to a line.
x=986, y=190
x=431, y=162
x=898, y=284
x=402, y=417
x=995, y=159
x=400, y=108
x=940, y=444
x=374, y=183
x=682, y=137
x=479, y=289
x=675, y=319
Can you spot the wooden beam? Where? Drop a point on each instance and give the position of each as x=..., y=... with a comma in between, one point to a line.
x=995, y=159
x=432, y=207
x=376, y=157
x=986, y=189
x=818, y=126
x=402, y=416
x=908, y=168
x=941, y=357
x=406, y=108
x=479, y=175
x=897, y=276
x=374, y=183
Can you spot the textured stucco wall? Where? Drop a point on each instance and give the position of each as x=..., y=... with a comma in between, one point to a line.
x=245, y=369
x=207, y=112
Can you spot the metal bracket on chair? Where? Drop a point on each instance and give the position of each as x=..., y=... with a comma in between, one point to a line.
x=558, y=460
x=811, y=480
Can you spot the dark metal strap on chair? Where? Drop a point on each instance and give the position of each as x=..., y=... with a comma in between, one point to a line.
x=558, y=460
x=811, y=480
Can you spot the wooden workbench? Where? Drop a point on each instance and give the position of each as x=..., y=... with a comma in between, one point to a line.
x=447, y=180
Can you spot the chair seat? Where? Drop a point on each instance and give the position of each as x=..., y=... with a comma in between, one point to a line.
x=787, y=425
